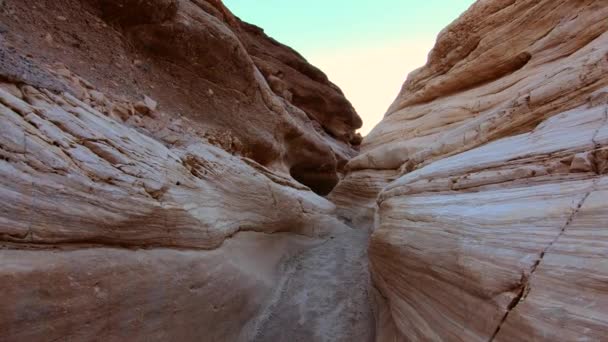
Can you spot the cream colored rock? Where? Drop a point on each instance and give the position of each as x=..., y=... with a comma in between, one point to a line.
x=560, y=74
x=493, y=228
x=198, y=61
x=355, y=196
x=566, y=299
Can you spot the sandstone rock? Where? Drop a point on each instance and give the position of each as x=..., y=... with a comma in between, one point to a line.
x=493, y=228
x=12, y=89
x=92, y=206
x=146, y=106
x=192, y=47
x=91, y=157
x=134, y=12
x=116, y=294
x=191, y=218
x=355, y=196
x=307, y=86
x=558, y=76
x=601, y=161
x=582, y=162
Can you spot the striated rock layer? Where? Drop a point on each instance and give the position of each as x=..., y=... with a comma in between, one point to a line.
x=161, y=182
x=257, y=97
x=491, y=176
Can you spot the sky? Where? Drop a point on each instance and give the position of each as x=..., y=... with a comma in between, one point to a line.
x=366, y=47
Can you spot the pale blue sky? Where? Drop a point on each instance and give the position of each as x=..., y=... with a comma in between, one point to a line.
x=366, y=47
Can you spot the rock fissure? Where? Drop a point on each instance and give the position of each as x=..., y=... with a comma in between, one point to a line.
x=510, y=307
x=527, y=278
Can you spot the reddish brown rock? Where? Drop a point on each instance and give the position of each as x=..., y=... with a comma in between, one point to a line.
x=118, y=226
x=212, y=71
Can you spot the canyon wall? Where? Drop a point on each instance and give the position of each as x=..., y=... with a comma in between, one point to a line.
x=160, y=165
x=486, y=181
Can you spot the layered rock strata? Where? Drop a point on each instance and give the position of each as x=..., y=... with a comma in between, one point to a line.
x=156, y=185
x=258, y=97
x=109, y=231
x=491, y=221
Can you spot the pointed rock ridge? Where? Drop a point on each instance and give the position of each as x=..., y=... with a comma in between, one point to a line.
x=484, y=181
x=294, y=79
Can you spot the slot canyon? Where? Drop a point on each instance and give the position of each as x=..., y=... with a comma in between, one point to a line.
x=169, y=172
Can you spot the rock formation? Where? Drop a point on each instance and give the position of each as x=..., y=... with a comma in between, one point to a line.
x=156, y=185
x=161, y=166
x=198, y=61
x=490, y=171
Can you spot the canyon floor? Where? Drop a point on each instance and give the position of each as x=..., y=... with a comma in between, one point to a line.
x=325, y=295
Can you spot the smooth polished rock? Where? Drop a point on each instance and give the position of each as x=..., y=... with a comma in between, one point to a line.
x=490, y=225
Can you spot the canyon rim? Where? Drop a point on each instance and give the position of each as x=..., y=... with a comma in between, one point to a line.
x=171, y=173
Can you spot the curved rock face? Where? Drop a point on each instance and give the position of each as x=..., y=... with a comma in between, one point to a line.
x=197, y=60
x=132, y=211
x=157, y=185
x=492, y=219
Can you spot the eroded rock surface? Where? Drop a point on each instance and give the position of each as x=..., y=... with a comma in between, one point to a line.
x=110, y=232
x=490, y=169
x=157, y=185
x=197, y=60
x=161, y=163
